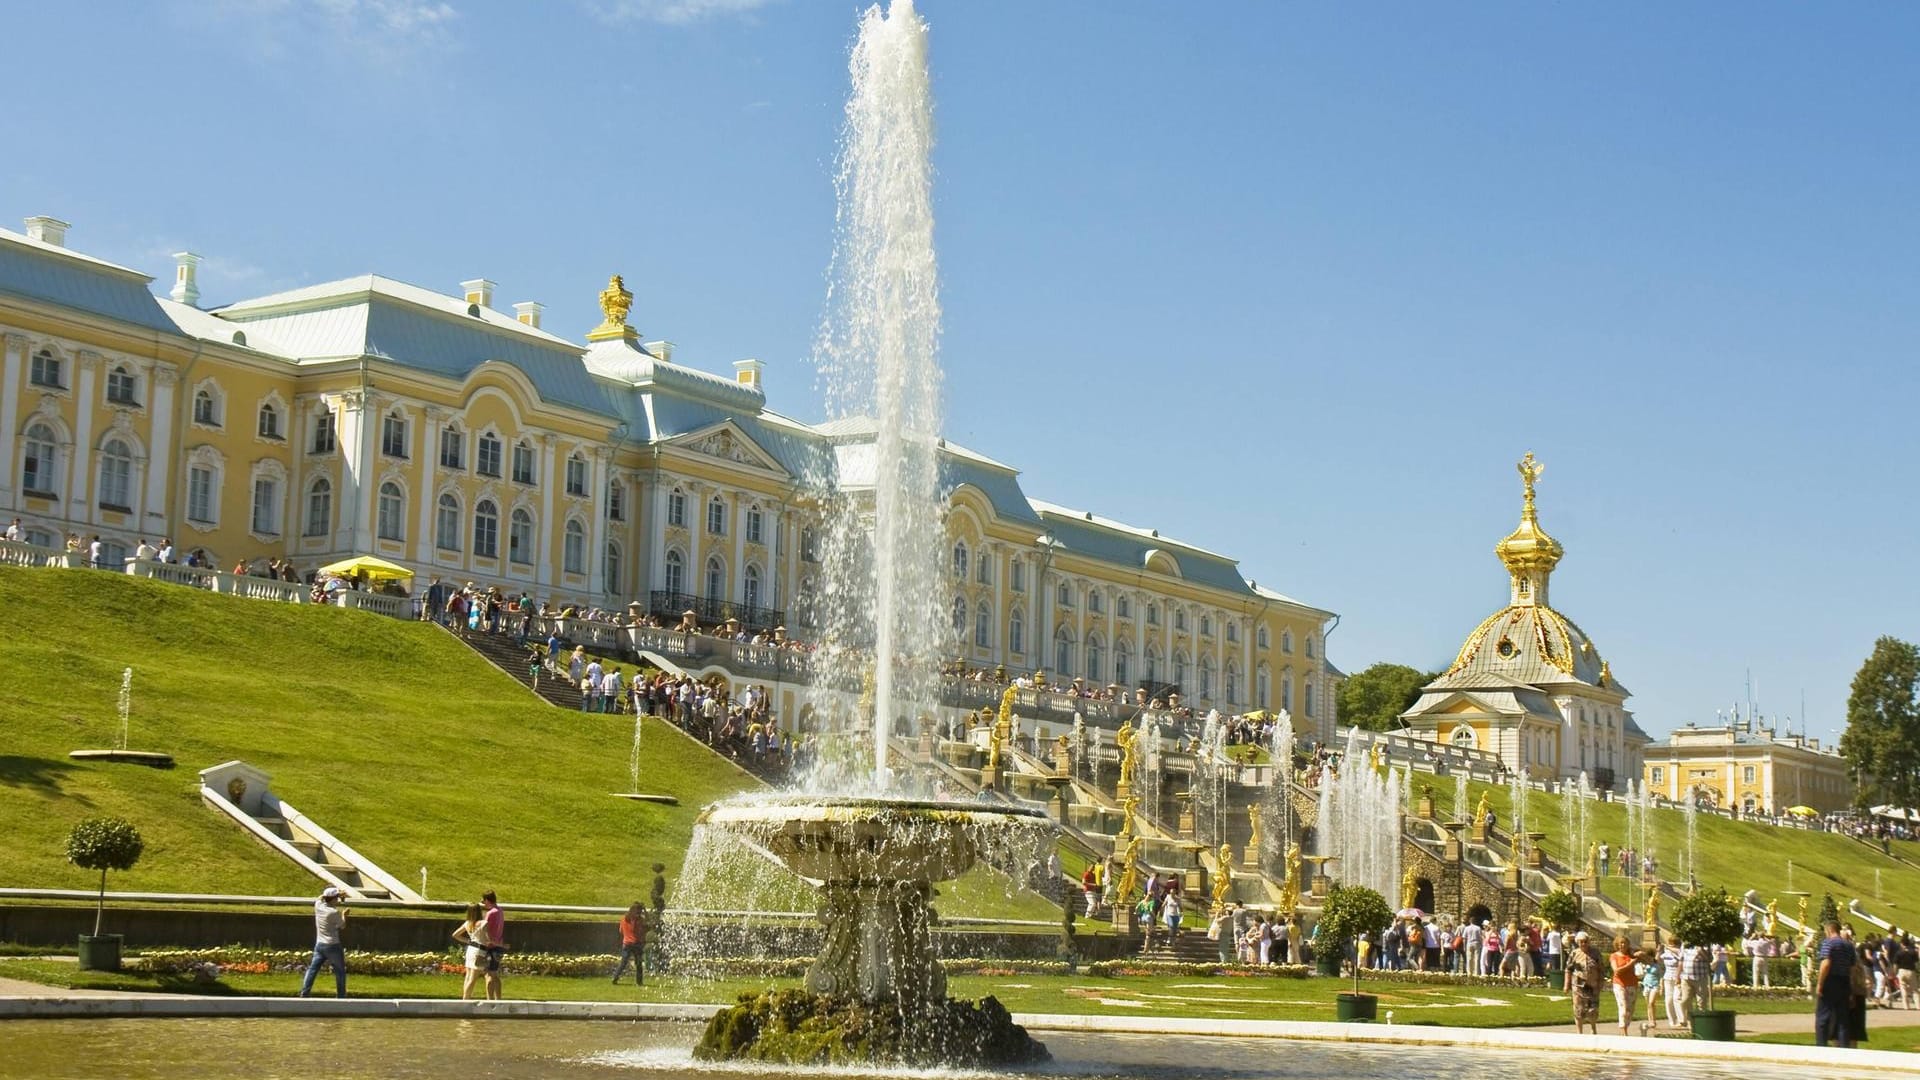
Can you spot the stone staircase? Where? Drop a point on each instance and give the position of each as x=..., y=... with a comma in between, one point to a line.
x=244, y=794
x=1191, y=947
x=325, y=858
x=511, y=657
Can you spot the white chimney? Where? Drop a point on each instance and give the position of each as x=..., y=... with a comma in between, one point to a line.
x=47, y=230
x=528, y=311
x=747, y=374
x=186, y=267
x=478, y=291
x=660, y=350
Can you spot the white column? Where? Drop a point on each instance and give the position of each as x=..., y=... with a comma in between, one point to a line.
x=154, y=517
x=737, y=521
x=80, y=462
x=14, y=349
x=1139, y=668
x=1084, y=596
x=358, y=501
x=696, y=528
x=1247, y=678
x=1002, y=610
x=655, y=530
x=548, y=448
x=353, y=441
x=597, y=524
x=434, y=419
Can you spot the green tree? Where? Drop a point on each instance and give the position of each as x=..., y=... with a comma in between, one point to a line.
x=1829, y=912
x=1707, y=917
x=1559, y=908
x=1375, y=698
x=103, y=844
x=1882, y=740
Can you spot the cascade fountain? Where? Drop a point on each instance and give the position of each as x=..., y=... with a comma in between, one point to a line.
x=1276, y=808
x=875, y=991
x=1360, y=822
x=1211, y=771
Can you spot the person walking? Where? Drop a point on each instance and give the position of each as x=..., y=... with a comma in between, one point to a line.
x=329, y=922
x=1673, y=982
x=1626, y=982
x=1833, y=991
x=496, y=924
x=473, y=934
x=633, y=944
x=1584, y=978
x=1650, y=985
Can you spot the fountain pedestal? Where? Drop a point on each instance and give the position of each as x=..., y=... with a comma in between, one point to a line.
x=1455, y=849
x=1535, y=858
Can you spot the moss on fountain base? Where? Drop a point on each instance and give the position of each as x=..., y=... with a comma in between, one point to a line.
x=795, y=1027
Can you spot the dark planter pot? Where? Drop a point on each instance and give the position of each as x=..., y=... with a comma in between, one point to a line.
x=1356, y=1008
x=1715, y=1025
x=1326, y=962
x=101, y=953
x=1557, y=980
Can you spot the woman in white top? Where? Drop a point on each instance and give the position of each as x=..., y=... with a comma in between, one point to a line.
x=473, y=934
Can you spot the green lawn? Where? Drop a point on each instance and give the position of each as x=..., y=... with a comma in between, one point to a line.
x=392, y=735
x=1737, y=854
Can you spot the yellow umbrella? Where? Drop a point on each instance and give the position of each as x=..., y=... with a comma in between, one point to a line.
x=1803, y=811
x=376, y=569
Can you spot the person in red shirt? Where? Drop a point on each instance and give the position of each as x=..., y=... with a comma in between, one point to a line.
x=633, y=944
x=496, y=922
x=1626, y=980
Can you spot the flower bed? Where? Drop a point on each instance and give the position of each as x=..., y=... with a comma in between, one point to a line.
x=235, y=959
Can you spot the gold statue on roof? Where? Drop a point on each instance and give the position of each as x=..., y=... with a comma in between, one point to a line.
x=615, y=301
x=1530, y=471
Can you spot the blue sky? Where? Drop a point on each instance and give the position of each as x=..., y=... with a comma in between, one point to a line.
x=1296, y=283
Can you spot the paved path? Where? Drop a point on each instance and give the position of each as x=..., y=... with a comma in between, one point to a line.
x=1761, y=1023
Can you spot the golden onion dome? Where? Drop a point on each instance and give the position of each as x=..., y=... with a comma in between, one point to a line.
x=1528, y=551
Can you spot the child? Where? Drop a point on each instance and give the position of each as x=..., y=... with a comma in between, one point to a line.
x=1650, y=975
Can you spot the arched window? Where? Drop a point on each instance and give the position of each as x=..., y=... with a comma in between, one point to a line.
x=120, y=386
x=1122, y=663
x=1180, y=669
x=393, y=435
x=486, y=454
x=716, y=580
x=1231, y=687
x=523, y=464
x=269, y=427
x=520, y=545
x=46, y=369
x=1309, y=647
x=37, y=471
x=1262, y=688
x=1123, y=607
x=616, y=499
x=752, y=594
x=1463, y=736
x=1286, y=690
x=1096, y=601
x=1064, y=594
x=1093, y=656
x=576, y=475
x=756, y=525
x=983, y=569
x=1309, y=697
x=1017, y=635
x=573, y=549
x=960, y=560
x=391, y=518
x=1206, y=677
x=319, y=507
x=1153, y=614
x=1233, y=630
x=453, y=448
x=446, y=522
x=1153, y=664
x=206, y=407
x=960, y=617
x=983, y=627
x=486, y=530
x=1062, y=652
x=323, y=440
x=1260, y=637
x=1206, y=626
x=1286, y=641
x=677, y=508
x=611, y=571
x=676, y=573
x=116, y=474
x=717, y=516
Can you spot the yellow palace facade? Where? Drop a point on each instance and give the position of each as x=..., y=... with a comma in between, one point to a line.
x=369, y=415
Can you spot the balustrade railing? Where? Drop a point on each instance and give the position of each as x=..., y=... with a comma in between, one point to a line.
x=21, y=553
x=398, y=607
x=259, y=588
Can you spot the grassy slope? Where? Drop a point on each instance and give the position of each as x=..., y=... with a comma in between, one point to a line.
x=1738, y=855
x=393, y=736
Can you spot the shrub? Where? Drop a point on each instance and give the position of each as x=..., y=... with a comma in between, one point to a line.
x=103, y=844
x=1352, y=910
x=1559, y=908
x=1707, y=917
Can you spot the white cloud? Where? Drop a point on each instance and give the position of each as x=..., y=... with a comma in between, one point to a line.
x=671, y=12
x=375, y=29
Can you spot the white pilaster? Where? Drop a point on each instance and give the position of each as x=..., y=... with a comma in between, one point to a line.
x=696, y=528
x=352, y=440
x=737, y=522
x=597, y=525
x=435, y=418
x=1002, y=610
x=154, y=517
x=13, y=349
x=548, y=448
x=80, y=462
x=654, y=528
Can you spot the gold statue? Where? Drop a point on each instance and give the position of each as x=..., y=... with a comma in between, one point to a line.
x=1530, y=471
x=1253, y=819
x=1373, y=756
x=1002, y=729
x=1773, y=915
x=1409, y=888
x=1651, y=916
x=1127, y=810
x=1593, y=863
x=1290, y=889
x=1129, y=874
x=1223, y=879
x=1124, y=739
x=1803, y=913
x=1481, y=811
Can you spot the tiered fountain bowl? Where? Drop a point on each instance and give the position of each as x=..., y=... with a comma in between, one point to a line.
x=876, y=991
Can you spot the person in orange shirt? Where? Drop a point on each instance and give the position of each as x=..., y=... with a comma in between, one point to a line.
x=1625, y=981
x=633, y=944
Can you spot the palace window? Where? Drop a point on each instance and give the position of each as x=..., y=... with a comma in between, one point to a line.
x=390, y=519
x=1180, y=619
x=266, y=506
x=37, y=473
x=453, y=448
x=200, y=504
x=206, y=408
x=1153, y=614
x=1206, y=626
x=1746, y=774
x=1122, y=607
x=116, y=475
x=1180, y=669
x=616, y=501
x=446, y=522
x=756, y=525
x=1093, y=659
x=1019, y=569
x=574, y=549
x=716, y=580
x=610, y=572
x=1462, y=736
x=269, y=427
x=486, y=530
x=1231, y=687
x=1233, y=632
x=1096, y=601
x=323, y=439
x=1308, y=648
x=1064, y=595
x=121, y=384
x=576, y=475
x=983, y=627
x=486, y=454
x=1286, y=641
x=1153, y=664
x=810, y=544
x=676, y=573
x=983, y=569
x=1260, y=637
x=1062, y=652
x=1206, y=677
x=319, y=508
x=677, y=508
x=1659, y=775
x=1262, y=688
x=1017, y=635
x=523, y=463
x=717, y=516
x=960, y=561
x=393, y=435
x=1309, y=698
x=46, y=370
x=1122, y=666
x=520, y=537
x=751, y=597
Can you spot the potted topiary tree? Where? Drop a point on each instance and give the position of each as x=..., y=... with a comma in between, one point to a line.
x=1559, y=910
x=103, y=844
x=1704, y=918
x=1351, y=911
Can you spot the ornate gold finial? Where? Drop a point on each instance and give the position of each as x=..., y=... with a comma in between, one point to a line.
x=615, y=301
x=1529, y=553
x=1530, y=471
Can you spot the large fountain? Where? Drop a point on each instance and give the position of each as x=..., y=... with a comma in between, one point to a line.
x=876, y=991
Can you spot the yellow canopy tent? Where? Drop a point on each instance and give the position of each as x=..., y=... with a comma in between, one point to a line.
x=1803, y=811
x=376, y=569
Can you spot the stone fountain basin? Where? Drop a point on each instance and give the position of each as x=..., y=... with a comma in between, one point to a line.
x=835, y=838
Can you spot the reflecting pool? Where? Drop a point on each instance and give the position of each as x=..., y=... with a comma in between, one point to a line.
x=404, y=1049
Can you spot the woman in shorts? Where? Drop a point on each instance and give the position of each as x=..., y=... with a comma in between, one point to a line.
x=473, y=934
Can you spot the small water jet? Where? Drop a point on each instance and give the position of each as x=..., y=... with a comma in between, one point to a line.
x=123, y=710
